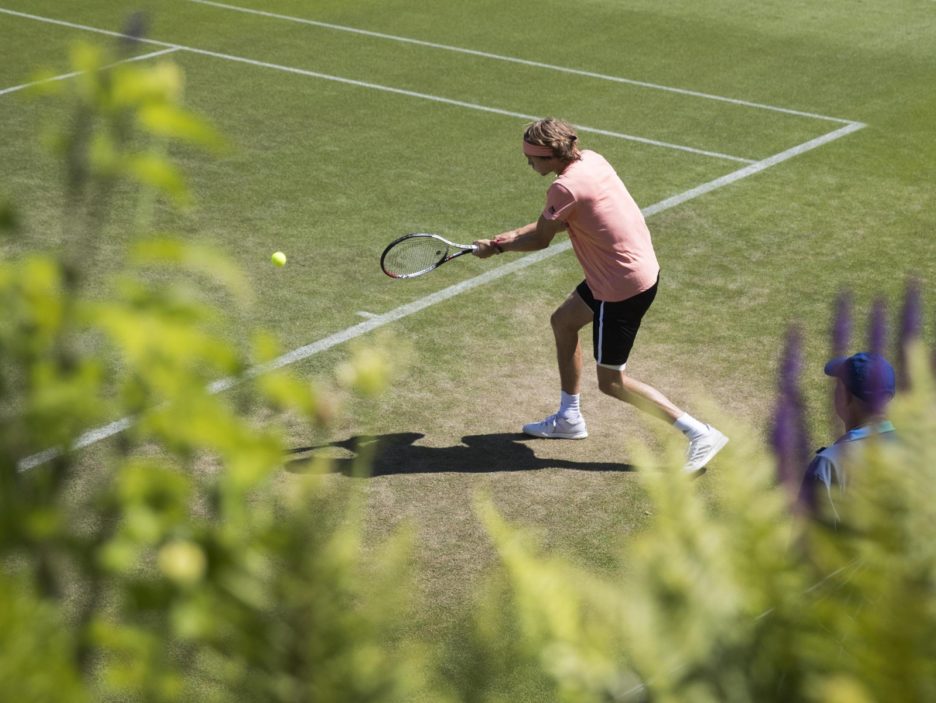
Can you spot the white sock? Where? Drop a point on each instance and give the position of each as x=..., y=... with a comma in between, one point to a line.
x=690, y=427
x=569, y=406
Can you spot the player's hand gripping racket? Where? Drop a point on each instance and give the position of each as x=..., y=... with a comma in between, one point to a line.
x=415, y=254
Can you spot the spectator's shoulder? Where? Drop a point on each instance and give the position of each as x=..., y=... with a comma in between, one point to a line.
x=823, y=466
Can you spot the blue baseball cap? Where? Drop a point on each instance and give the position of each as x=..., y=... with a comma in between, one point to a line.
x=867, y=376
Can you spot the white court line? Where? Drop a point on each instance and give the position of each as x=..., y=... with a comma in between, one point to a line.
x=86, y=28
x=467, y=105
x=524, y=62
x=753, y=168
x=403, y=311
x=85, y=440
x=384, y=88
x=64, y=76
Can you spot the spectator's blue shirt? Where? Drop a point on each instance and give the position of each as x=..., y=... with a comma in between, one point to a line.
x=828, y=467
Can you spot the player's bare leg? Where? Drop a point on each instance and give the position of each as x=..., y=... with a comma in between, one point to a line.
x=617, y=384
x=568, y=319
x=704, y=440
x=568, y=423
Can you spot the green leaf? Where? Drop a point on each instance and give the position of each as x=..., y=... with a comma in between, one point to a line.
x=195, y=258
x=154, y=170
x=172, y=122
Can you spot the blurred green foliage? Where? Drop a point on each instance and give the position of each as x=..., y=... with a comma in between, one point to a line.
x=186, y=572
x=191, y=573
x=739, y=597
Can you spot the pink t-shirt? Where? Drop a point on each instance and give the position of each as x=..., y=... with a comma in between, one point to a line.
x=607, y=229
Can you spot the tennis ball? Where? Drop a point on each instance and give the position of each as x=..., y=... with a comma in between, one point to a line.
x=278, y=259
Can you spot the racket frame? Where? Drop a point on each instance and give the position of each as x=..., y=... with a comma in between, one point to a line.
x=462, y=249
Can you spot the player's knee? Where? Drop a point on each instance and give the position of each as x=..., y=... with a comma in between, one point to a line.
x=561, y=324
x=610, y=385
x=559, y=320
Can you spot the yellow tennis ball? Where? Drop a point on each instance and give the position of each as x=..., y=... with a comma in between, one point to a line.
x=278, y=259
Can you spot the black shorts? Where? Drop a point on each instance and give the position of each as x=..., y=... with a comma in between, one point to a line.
x=615, y=324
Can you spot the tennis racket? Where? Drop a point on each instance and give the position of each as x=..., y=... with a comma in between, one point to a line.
x=415, y=254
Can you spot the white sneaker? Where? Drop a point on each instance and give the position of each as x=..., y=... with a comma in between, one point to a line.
x=703, y=448
x=555, y=427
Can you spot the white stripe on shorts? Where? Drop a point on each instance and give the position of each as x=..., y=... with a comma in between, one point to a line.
x=600, y=332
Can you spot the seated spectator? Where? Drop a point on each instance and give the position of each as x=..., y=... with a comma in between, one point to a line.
x=865, y=384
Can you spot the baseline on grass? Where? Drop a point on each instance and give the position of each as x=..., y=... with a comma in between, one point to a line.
x=415, y=254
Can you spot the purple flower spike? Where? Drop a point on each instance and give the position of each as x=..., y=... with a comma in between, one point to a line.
x=783, y=440
x=842, y=327
x=134, y=30
x=911, y=326
x=791, y=363
x=790, y=436
x=877, y=330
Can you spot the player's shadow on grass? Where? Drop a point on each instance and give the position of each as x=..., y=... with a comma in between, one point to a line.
x=395, y=454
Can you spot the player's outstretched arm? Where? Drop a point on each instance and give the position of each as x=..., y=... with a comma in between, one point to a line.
x=532, y=237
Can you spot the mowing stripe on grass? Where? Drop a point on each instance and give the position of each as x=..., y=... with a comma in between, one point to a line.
x=462, y=103
x=85, y=28
x=403, y=311
x=62, y=77
x=753, y=168
x=382, y=88
x=514, y=59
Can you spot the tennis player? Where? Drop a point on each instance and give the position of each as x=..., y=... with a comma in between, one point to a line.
x=613, y=246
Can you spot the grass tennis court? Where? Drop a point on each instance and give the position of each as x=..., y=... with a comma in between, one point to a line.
x=782, y=153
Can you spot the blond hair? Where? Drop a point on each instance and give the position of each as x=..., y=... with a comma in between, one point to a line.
x=558, y=135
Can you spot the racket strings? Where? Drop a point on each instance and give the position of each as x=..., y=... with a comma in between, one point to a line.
x=414, y=255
